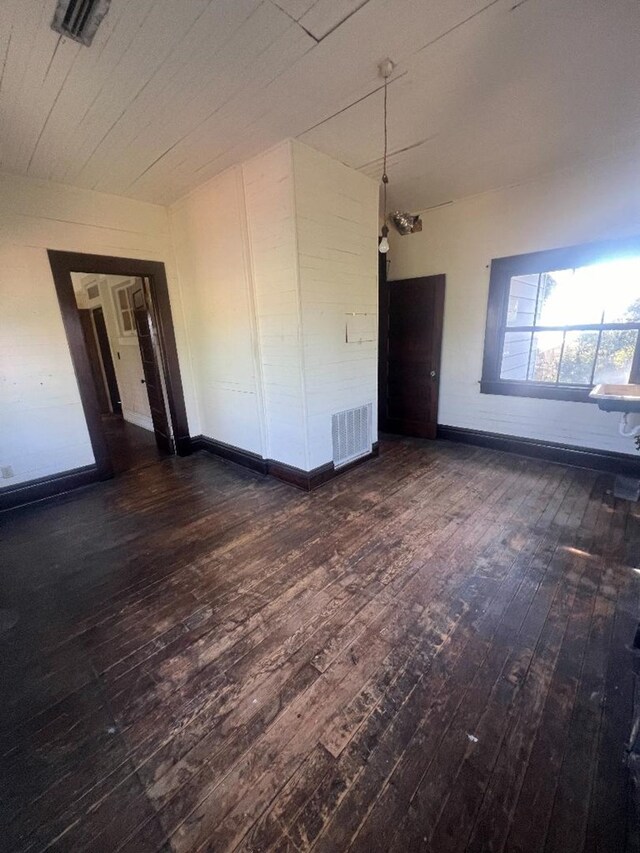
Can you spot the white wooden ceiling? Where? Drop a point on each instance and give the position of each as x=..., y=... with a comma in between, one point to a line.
x=485, y=92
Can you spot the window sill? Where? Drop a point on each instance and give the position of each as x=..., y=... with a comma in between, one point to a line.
x=573, y=394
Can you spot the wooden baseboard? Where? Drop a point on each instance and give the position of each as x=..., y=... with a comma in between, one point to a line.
x=47, y=487
x=57, y=484
x=565, y=454
x=230, y=452
x=305, y=480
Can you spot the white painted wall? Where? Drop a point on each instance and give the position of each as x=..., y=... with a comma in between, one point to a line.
x=42, y=425
x=336, y=223
x=271, y=218
x=271, y=257
x=461, y=239
x=210, y=239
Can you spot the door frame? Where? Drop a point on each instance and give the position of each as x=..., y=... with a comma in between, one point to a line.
x=156, y=392
x=95, y=358
x=108, y=367
x=62, y=265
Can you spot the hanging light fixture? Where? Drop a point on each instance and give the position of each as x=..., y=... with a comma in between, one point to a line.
x=405, y=223
x=386, y=68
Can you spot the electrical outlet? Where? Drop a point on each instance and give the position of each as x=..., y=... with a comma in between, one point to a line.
x=7, y=472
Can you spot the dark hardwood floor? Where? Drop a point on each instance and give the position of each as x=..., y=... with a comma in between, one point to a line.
x=433, y=652
x=130, y=446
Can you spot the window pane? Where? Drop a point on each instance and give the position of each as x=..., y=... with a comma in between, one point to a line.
x=615, y=356
x=577, y=358
x=515, y=355
x=545, y=356
x=122, y=299
x=621, y=280
x=523, y=291
x=570, y=298
x=126, y=321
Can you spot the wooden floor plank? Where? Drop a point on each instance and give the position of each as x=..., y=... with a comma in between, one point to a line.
x=418, y=761
x=543, y=629
x=432, y=652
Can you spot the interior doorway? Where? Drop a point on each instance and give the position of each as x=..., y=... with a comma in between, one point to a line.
x=410, y=342
x=124, y=356
x=118, y=322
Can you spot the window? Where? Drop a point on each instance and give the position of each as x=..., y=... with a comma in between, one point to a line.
x=562, y=321
x=124, y=310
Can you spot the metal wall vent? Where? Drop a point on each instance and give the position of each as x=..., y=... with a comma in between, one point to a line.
x=351, y=433
x=79, y=19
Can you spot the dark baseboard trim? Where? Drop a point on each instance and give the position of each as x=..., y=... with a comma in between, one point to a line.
x=310, y=480
x=228, y=451
x=183, y=445
x=47, y=487
x=57, y=484
x=565, y=454
x=305, y=480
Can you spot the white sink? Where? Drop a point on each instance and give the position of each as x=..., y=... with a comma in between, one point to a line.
x=617, y=398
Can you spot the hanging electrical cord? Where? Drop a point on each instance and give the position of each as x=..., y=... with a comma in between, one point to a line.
x=386, y=68
x=405, y=223
x=385, y=177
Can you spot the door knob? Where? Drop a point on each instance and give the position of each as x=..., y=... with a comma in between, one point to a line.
x=433, y=374
x=143, y=381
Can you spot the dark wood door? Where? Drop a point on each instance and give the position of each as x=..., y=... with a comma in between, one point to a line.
x=107, y=360
x=151, y=368
x=411, y=317
x=94, y=359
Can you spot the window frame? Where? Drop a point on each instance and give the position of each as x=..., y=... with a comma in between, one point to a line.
x=533, y=263
x=126, y=287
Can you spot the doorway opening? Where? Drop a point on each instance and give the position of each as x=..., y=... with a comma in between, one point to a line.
x=117, y=318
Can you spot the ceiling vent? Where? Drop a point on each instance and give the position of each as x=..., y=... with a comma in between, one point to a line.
x=79, y=19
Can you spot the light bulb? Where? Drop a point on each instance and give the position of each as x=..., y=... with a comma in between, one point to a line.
x=383, y=246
